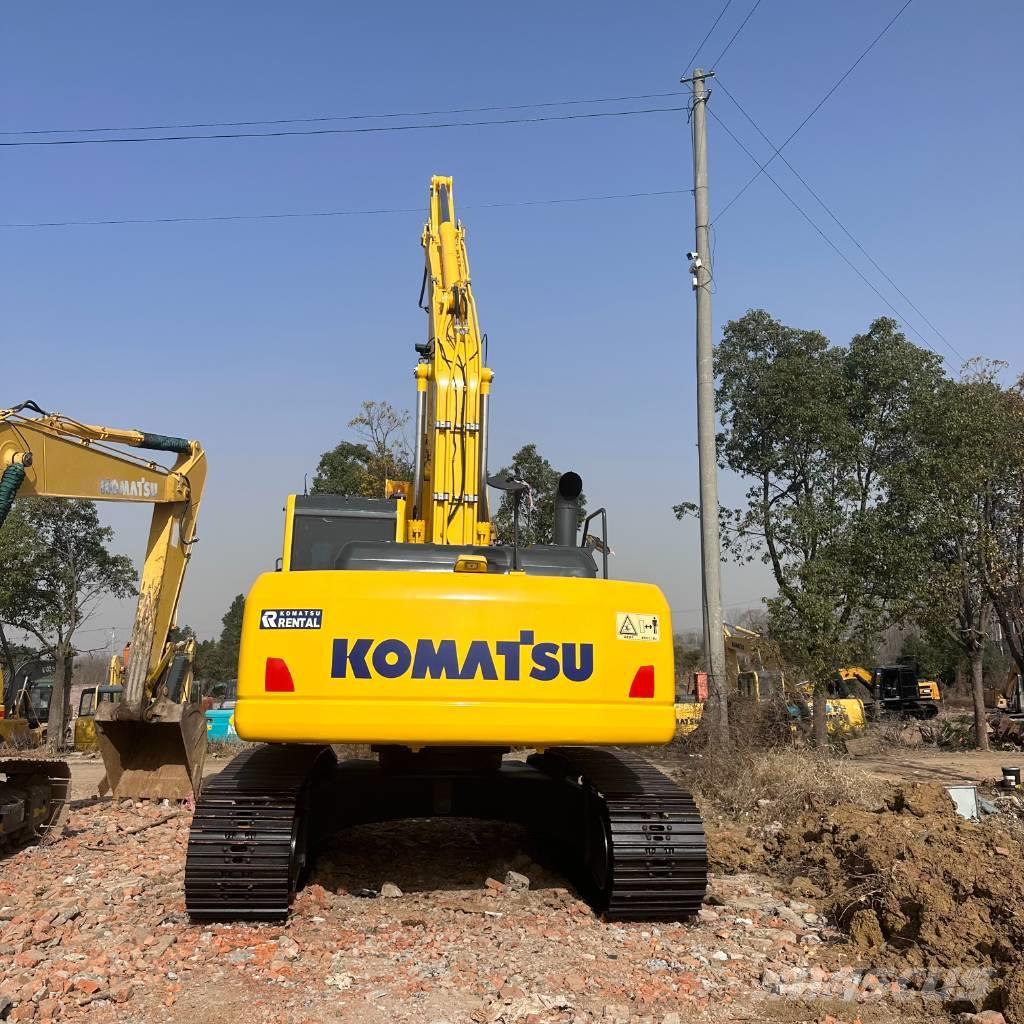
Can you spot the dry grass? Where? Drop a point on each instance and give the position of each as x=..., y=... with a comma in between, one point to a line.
x=769, y=773
x=792, y=781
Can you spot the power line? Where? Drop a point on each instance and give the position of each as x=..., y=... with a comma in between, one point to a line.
x=738, y=606
x=700, y=46
x=757, y=3
x=344, y=131
x=796, y=131
x=337, y=213
x=843, y=227
x=803, y=213
x=342, y=117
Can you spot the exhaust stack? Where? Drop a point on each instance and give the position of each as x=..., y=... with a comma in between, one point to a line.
x=567, y=509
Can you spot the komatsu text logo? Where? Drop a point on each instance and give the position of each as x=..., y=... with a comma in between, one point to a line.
x=441, y=659
x=140, y=488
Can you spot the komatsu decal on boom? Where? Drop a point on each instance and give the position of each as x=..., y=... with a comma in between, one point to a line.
x=153, y=741
x=400, y=622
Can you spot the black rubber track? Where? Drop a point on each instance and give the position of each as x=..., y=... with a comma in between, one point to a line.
x=246, y=849
x=655, y=857
x=635, y=838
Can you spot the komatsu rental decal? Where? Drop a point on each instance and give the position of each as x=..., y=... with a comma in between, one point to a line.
x=440, y=659
x=291, y=618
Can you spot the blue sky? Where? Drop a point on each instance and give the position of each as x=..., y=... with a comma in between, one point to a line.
x=262, y=337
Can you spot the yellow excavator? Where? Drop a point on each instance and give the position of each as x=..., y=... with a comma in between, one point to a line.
x=34, y=791
x=153, y=740
x=404, y=623
x=889, y=689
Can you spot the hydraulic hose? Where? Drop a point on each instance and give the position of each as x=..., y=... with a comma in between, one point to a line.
x=10, y=481
x=164, y=443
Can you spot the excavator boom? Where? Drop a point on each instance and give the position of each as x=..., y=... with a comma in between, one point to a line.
x=153, y=741
x=448, y=504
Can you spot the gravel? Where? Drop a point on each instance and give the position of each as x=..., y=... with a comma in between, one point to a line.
x=93, y=928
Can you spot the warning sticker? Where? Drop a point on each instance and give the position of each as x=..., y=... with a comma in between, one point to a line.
x=634, y=626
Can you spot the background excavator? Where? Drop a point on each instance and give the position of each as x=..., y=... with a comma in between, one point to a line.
x=153, y=741
x=889, y=690
x=402, y=623
x=34, y=797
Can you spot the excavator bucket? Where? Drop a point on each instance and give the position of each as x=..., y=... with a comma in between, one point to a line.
x=156, y=759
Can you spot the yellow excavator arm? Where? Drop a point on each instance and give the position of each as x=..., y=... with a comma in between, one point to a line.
x=448, y=503
x=51, y=455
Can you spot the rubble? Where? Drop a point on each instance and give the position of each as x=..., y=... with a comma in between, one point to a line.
x=516, y=882
x=94, y=929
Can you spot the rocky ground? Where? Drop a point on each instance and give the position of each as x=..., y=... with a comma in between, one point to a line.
x=93, y=928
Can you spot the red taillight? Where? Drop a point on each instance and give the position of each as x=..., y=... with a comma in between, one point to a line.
x=277, y=678
x=643, y=682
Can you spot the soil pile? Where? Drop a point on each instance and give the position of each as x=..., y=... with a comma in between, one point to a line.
x=940, y=889
x=910, y=881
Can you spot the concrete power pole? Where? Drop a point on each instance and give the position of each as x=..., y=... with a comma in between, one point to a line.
x=714, y=641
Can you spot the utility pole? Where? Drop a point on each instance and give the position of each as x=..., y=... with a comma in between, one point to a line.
x=714, y=640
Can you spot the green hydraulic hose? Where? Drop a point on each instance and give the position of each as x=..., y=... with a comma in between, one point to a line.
x=10, y=481
x=165, y=443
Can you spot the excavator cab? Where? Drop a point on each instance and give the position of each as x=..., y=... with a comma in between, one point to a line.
x=898, y=692
x=85, y=722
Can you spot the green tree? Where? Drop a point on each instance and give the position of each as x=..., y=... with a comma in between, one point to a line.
x=218, y=661
x=55, y=559
x=363, y=466
x=231, y=633
x=206, y=667
x=537, y=507
x=818, y=431
x=935, y=652
x=1003, y=561
x=343, y=470
x=966, y=499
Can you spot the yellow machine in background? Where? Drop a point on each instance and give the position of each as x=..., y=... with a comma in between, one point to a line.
x=153, y=740
x=34, y=793
x=402, y=623
x=889, y=689
x=22, y=721
x=843, y=715
x=88, y=701
x=1009, y=696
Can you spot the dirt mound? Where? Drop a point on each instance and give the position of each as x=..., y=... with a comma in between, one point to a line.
x=942, y=890
x=911, y=882
x=732, y=851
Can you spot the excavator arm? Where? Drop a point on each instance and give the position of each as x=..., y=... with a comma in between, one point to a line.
x=448, y=503
x=51, y=455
